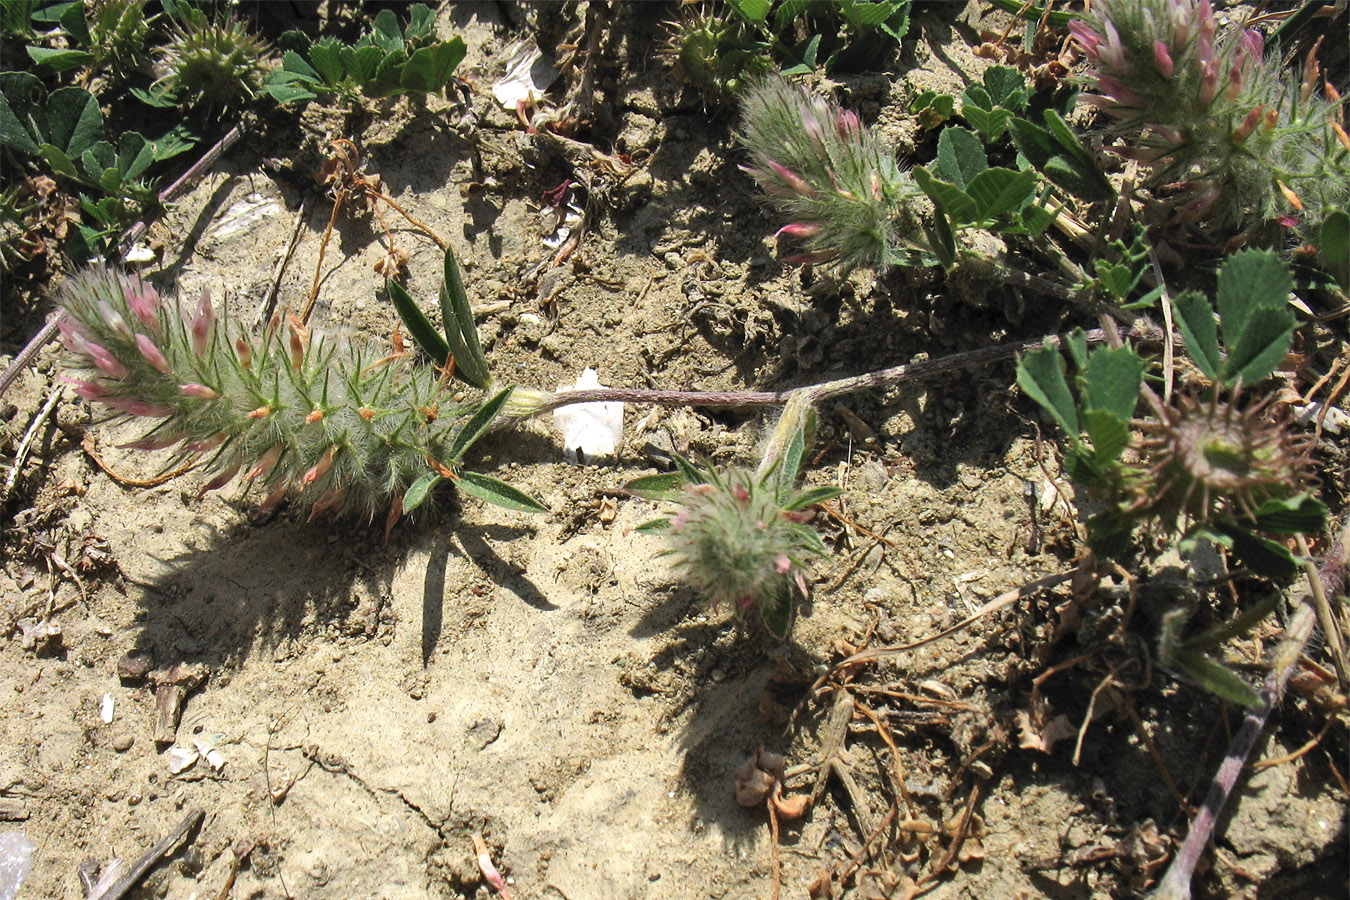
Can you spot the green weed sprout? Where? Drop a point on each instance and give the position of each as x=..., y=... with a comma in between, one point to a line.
x=743, y=537
x=334, y=423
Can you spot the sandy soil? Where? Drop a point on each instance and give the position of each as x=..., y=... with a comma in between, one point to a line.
x=545, y=681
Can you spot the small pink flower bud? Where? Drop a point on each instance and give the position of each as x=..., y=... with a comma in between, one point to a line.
x=1116, y=90
x=152, y=354
x=244, y=352
x=89, y=390
x=848, y=124
x=740, y=492
x=1163, y=59
x=73, y=337
x=1243, y=131
x=1114, y=54
x=797, y=182
x=1209, y=84
x=782, y=564
x=204, y=444
x=320, y=468
x=265, y=464
x=798, y=230
x=1087, y=38
x=299, y=341
x=113, y=318
x=140, y=408
x=143, y=302
x=1288, y=221
x=193, y=389
x=104, y=360
x=220, y=480
x=203, y=323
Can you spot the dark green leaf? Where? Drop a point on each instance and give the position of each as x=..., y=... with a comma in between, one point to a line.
x=19, y=92
x=386, y=32
x=74, y=121
x=460, y=331
x=1112, y=380
x=58, y=162
x=288, y=87
x=478, y=423
x=134, y=155
x=776, y=608
x=431, y=68
x=73, y=23
x=325, y=61
x=1076, y=343
x=1335, y=246
x=59, y=60
x=1261, y=554
x=751, y=10
x=420, y=490
x=941, y=241
x=1006, y=87
x=421, y=329
x=1248, y=281
x=812, y=496
x=1302, y=514
x=1195, y=318
x=1041, y=375
x=960, y=156
x=788, y=10
x=805, y=61
x=949, y=199
x=976, y=96
x=497, y=492
x=1216, y=678
x=1267, y=335
x=990, y=123
x=997, y=191
x=667, y=486
x=1109, y=434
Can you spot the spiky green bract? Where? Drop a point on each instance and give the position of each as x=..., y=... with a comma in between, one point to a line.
x=117, y=33
x=715, y=52
x=215, y=62
x=328, y=420
x=739, y=537
x=836, y=181
x=1252, y=145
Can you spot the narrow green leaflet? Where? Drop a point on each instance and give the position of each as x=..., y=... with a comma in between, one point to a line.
x=420, y=490
x=776, y=609
x=418, y=325
x=1112, y=379
x=1195, y=318
x=667, y=486
x=1301, y=514
x=1216, y=678
x=460, y=332
x=479, y=423
x=1335, y=246
x=812, y=496
x=1041, y=375
x=497, y=492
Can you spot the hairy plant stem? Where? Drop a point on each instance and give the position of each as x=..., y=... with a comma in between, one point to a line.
x=818, y=393
x=1176, y=884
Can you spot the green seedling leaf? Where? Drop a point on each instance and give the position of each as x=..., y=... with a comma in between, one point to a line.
x=785, y=474
x=776, y=610
x=386, y=33
x=960, y=156
x=59, y=162
x=1301, y=514
x=805, y=59
x=497, y=492
x=1263, y=555
x=1109, y=435
x=1195, y=318
x=990, y=123
x=59, y=60
x=691, y=473
x=420, y=490
x=460, y=332
x=998, y=191
x=1059, y=18
x=1076, y=343
x=74, y=122
x=1216, y=678
x=754, y=11
x=288, y=87
x=1249, y=281
x=949, y=199
x=1006, y=87
x=421, y=24
x=477, y=425
x=1112, y=381
x=325, y=62
x=431, y=68
x=666, y=486
x=977, y=96
x=1267, y=335
x=1041, y=375
x=812, y=496
x=362, y=64
x=655, y=526
x=419, y=327
x=1226, y=631
x=1335, y=246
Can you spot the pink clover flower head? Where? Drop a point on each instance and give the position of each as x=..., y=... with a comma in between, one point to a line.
x=152, y=354
x=202, y=323
x=105, y=361
x=1088, y=39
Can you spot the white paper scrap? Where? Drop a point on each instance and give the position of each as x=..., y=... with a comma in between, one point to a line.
x=590, y=430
